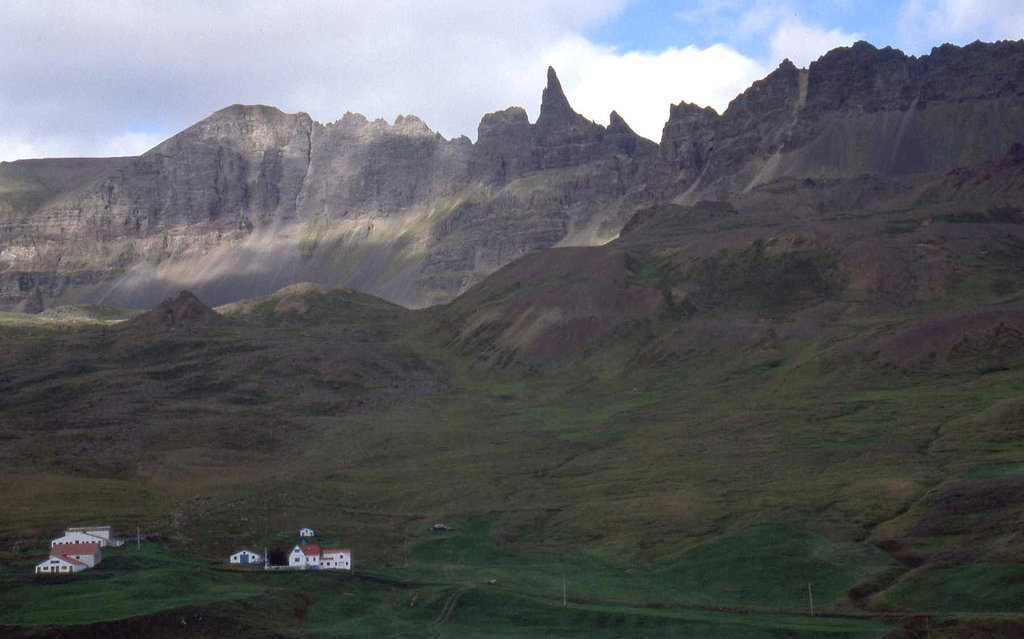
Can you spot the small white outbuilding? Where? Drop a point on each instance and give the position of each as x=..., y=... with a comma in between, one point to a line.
x=246, y=556
x=305, y=532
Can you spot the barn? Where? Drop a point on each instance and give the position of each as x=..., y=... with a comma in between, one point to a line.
x=246, y=556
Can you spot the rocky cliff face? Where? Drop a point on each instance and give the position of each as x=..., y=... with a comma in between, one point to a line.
x=856, y=110
x=252, y=199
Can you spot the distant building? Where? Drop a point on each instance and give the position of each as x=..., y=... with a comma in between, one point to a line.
x=71, y=557
x=336, y=559
x=104, y=535
x=305, y=532
x=305, y=556
x=78, y=537
x=103, y=532
x=60, y=564
x=246, y=556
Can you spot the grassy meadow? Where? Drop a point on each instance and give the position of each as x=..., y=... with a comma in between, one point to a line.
x=702, y=470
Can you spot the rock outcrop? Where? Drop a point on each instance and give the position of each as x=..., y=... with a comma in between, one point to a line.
x=508, y=146
x=182, y=311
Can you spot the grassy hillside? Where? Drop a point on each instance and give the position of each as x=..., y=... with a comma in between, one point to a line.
x=695, y=428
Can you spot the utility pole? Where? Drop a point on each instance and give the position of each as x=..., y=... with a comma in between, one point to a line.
x=138, y=538
x=563, y=588
x=810, y=596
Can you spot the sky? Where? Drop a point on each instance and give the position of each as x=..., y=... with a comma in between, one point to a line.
x=116, y=77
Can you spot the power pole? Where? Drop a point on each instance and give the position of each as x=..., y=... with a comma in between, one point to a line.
x=563, y=588
x=138, y=538
x=810, y=596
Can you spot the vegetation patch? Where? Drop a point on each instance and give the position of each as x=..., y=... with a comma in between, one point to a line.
x=979, y=587
x=757, y=279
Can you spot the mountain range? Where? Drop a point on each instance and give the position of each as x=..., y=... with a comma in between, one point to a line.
x=252, y=199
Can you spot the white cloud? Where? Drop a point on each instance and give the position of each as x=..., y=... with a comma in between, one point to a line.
x=75, y=77
x=789, y=33
x=927, y=23
x=13, y=146
x=641, y=86
x=804, y=43
x=130, y=143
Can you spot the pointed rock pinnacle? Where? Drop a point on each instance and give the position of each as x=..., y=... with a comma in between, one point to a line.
x=554, y=106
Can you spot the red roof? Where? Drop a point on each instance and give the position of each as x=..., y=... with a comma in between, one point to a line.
x=74, y=549
x=70, y=560
x=333, y=551
x=310, y=549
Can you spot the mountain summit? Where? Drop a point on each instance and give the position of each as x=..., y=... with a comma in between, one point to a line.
x=554, y=106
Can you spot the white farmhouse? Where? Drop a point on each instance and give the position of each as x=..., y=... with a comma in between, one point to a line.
x=60, y=564
x=77, y=536
x=305, y=532
x=336, y=559
x=89, y=554
x=71, y=558
x=246, y=556
x=305, y=557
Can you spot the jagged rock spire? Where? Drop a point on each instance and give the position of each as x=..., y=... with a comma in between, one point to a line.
x=554, y=106
x=618, y=125
x=619, y=138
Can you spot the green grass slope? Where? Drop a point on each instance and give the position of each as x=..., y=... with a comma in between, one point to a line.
x=695, y=428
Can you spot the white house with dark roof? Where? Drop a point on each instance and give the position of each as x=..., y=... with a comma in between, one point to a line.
x=246, y=556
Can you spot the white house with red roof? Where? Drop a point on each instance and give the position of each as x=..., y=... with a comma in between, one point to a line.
x=336, y=559
x=60, y=564
x=71, y=557
x=305, y=556
x=89, y=554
